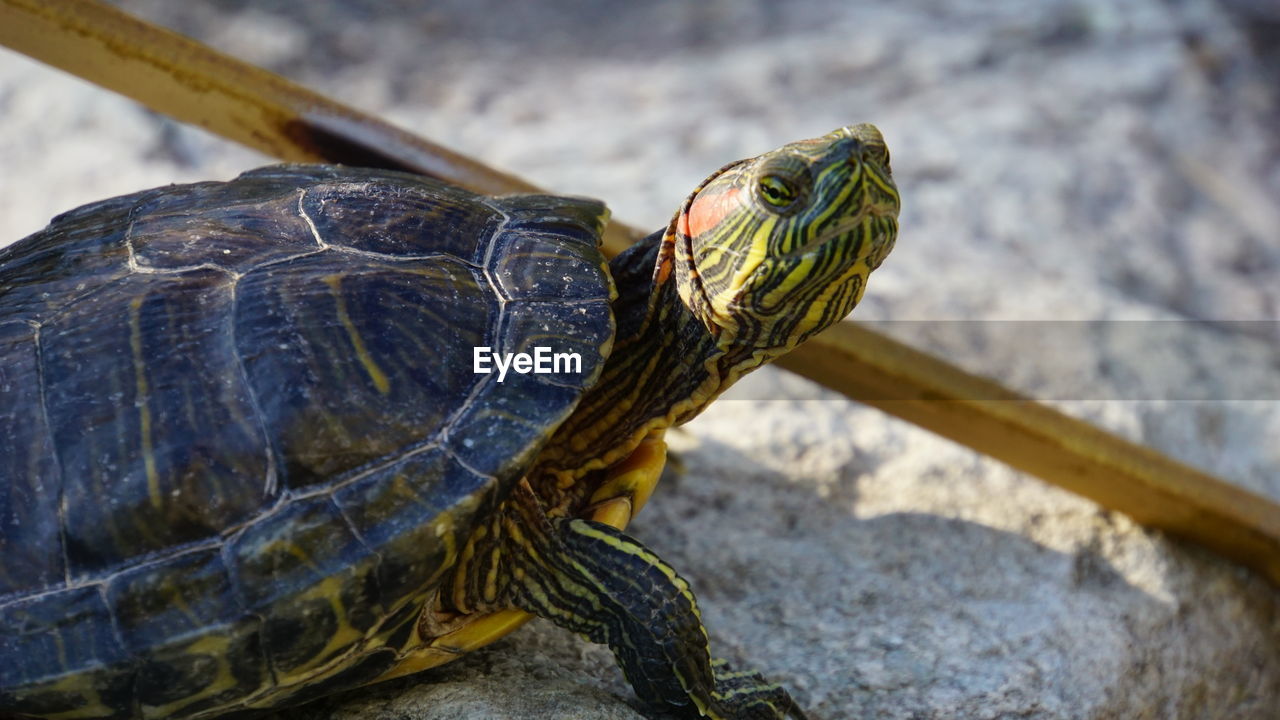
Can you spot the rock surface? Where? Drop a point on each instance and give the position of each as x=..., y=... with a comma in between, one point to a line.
x=1110, y=164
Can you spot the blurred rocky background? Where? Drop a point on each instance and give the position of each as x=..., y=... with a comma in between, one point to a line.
x=1091, y=214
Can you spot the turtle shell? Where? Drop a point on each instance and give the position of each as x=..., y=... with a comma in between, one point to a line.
x=242, y=434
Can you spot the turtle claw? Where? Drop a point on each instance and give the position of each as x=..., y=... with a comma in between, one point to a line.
x=746, y=695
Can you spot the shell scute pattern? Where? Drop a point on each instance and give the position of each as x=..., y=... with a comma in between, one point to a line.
x=134, y=433
x=32, y=551
x=411, y=522
x=387, y=218
x=182, y=616
x=304, y=571
x=53, y=268
x=257, y=223
x=558, y=246
x=375, y=331
x=52, y=631
x=175, y=599
x=266, y=441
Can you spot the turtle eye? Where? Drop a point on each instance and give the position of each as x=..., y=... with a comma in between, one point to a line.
x=778, y=191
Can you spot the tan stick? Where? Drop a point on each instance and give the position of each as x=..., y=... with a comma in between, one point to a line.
x=190, y=82
x=198, y=85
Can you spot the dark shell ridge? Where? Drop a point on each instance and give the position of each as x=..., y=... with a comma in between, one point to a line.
x=241, y=419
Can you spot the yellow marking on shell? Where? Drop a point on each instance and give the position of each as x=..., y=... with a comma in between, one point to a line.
x=60, y=648
x=344, y=636
x=144, y=407
x=319, y=673
x=356, y=643
x=295, y=550
x=92, y=707
x=174, y=596
x=371, y=368
x=216, y=647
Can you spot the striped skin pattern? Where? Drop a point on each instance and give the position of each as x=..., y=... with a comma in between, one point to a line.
x=608, y=587
x=765, y=253
x=757, y=278
x=772, y=250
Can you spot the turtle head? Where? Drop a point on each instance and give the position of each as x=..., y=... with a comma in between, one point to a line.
x=770, y=250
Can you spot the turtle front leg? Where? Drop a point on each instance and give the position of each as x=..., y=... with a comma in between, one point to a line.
x=597, y=581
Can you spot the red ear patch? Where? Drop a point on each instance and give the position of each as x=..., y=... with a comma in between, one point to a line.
x=707, y=210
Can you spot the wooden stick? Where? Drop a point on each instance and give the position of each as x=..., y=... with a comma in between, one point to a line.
x=193, y=83
x=198, y=85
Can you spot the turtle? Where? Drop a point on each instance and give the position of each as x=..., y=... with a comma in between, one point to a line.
x=319, y=426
